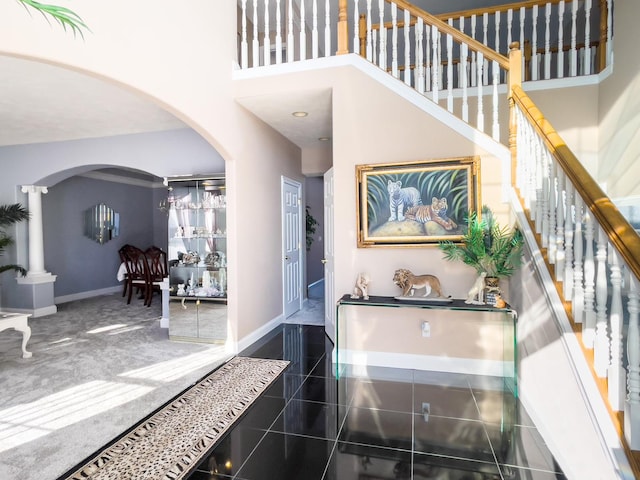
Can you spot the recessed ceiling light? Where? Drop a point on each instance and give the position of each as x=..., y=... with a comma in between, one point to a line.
x=300, y=114
x=324, y=139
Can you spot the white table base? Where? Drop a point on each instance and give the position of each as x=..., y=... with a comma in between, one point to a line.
x=17, y=321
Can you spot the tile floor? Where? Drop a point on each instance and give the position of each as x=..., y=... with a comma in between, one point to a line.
x=375, y=425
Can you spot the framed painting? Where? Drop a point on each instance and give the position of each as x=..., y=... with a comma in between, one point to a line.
x=417, y=203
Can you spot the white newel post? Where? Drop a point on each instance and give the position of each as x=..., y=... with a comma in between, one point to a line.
x=39, y=281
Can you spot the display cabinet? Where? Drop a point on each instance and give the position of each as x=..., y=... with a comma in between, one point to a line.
x=197, y=257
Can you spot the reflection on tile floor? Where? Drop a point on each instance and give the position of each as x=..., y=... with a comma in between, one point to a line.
x=387, y=424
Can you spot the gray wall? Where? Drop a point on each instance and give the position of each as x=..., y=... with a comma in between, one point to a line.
x=80, y=263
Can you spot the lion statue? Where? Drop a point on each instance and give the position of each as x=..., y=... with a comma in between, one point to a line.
x=409, y=283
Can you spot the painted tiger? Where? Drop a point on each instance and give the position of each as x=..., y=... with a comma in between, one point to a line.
x=436, y=212
x=400, y=199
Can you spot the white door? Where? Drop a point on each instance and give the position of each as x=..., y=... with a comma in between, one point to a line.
x=329, y=280
x=291, y=244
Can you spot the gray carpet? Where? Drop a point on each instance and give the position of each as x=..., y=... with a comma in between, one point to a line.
x=99, y=366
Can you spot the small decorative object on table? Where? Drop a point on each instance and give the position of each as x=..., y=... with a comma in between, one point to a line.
x=500, y=303
x=409, y=283
x=361, y=288
x=476, y=293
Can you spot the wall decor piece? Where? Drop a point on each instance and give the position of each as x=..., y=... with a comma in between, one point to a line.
x=416, y=203
x=101, y=223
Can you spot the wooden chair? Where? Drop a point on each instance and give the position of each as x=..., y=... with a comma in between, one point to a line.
x=137, y=271
x=158, y=270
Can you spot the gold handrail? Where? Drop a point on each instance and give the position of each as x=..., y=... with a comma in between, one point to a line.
x=456, y=34
x=620, y=233
x=497, y=8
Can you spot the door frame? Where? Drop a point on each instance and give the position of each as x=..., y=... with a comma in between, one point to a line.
x=298, y=186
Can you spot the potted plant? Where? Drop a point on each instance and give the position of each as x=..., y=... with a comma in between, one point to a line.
x=494, y=251
x=10, y=215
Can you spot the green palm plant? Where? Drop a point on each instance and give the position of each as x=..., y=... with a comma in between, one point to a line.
x=487, y=246
x=10, y=215
x=62, y=15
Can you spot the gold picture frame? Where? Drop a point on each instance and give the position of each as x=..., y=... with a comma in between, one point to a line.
x=415, y=203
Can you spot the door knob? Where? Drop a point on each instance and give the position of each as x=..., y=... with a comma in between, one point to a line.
x=324, y=260
x=286, y=257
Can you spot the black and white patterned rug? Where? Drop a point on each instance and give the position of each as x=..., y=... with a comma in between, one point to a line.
x=170, y=443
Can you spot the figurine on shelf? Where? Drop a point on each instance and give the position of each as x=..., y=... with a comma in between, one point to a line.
x=409, y=283
x=361, y=288
x=500, y=303
x=181, y=290
x=179, y=232
x=476, y=293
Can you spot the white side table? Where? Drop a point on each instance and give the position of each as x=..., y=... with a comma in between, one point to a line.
x=17, y=321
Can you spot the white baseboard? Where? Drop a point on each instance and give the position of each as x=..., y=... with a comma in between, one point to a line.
x=315, y=283
x=87, y=294
x=259, y=333
x=468, y=366
x=36, y=312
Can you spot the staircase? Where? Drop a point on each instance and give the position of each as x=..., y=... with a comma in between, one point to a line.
x=477, y=65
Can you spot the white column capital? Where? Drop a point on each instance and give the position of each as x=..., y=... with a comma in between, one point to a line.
x=34, y=189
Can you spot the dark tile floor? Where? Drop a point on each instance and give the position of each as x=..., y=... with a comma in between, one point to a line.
x=387, y=424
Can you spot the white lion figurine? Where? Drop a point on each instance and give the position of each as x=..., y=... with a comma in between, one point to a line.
x=476, y=294
x=361, y=288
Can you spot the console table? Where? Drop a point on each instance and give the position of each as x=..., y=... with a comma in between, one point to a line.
x=446, y=335
x=17, y=321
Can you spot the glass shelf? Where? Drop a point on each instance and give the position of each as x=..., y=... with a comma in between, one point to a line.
x=448, y=335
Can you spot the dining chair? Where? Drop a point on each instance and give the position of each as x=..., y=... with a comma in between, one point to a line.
x=137, y=271
x=158, y=270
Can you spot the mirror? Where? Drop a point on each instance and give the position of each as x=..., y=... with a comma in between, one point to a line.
x=101, y=223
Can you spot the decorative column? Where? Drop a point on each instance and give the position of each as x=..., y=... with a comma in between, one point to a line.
x=36, y=237
x=36, y=289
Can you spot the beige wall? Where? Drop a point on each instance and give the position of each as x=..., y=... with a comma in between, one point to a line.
x=619, y=107
x=180, y=56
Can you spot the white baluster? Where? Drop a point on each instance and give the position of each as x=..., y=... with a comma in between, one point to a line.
x=485, y=41
x=496, y=80
x=314, y=31
x=539, y=201
x=587, y=38
x=547, y=42
x=407, y=48
x=464, y=78
x=589, y=325
x=616, y=373
x=356, y=28
x=382, y=52
x=560, y=226
x=266, y=44
x=534, y=44
x=450, y=70
x=474, y=59
x=578, y=264
x=370, y=50
x=567, y=284
x=632, y=405
x=601, y=352
x=496, y=45
x=278, y=34
x=480, y=64
x=374, y=45
x=561, y=39
x=419, y=56
x=553, y=209
x=435, y=73
x=394, y=40
x=255, y=44
x=523, y=17
x=509, y=26
x=244, y=47
x=573, y=58
x=427, y=43
x=327, y=28
x=303, y=33
x=546, y=188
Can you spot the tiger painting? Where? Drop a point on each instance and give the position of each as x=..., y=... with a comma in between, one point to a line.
x=436, y=212
x=401, y=199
